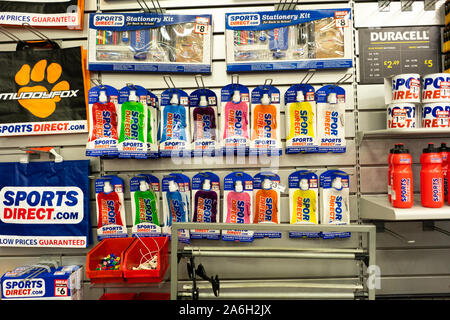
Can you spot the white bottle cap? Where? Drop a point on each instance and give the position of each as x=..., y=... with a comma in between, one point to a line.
x=132, y=96
x=236, y=96
x=103, y=98
x=332, y=98
x=206, y=184
x=337, y=183
x=304, y=184
x=173, y=186
x=203, y=102
x=174, y=99
x=238, y=187
x=267, y=184
x=300, y=96
x=265, y=100
x=143, y=186
x=107, y=188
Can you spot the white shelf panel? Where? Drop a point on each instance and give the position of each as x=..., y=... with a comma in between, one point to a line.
x=378, y=208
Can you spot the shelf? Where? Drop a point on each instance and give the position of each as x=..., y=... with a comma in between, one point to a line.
x=379, y=208
x=406, y=133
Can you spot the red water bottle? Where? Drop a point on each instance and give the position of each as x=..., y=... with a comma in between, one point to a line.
x=444, y=151
x=391, y=152
x=431, y=178
x=402, y=178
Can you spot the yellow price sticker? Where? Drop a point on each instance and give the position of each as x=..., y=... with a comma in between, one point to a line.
x=389, y=63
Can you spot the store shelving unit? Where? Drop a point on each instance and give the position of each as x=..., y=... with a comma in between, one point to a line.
x=367, y=256
x=378, y=207
x=402, y=133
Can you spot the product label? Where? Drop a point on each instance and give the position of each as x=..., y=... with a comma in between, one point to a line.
x=19, y=288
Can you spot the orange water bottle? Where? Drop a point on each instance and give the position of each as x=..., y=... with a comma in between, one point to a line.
x=402, y=178
x=431, y=178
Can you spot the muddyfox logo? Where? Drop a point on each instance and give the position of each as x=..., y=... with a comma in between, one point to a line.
x=37, y=99
x=41, y=205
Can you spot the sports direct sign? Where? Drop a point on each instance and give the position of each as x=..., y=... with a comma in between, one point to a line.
x=40, y=215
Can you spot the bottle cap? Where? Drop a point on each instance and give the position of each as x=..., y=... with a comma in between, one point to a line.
x=444, y=147
x=174, y=99
x=143, y=186
x=103, y=98
x=265, y=100
x=332, y=98
x=206, y=184
x=236, y=96
x=300, y=96
x=337, y=183
x=203, y=102
x=133, y=96
x=303, y=184
x=267, y=184
x=173, y=186
x=238, y=187
x=107, y=188
x=430, y=148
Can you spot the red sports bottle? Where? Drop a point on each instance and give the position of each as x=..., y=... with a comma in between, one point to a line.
x=391, y=152
x=431, y=178
x=444, y=151
x=402, y=178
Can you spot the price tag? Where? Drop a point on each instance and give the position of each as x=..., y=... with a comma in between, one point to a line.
x=212, y=101
x=184, y=101
x=442, y=118
x=445, y=89
x=61, y=288
x=275, y=97
x=340, y=98
x=313, y=183
x=244, y=97
x=415, y=86
x=310, y=96
x=342, y=19
x=399, y=117
x=201, y=25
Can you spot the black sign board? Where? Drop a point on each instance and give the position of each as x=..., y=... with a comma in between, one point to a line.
x=384, y=52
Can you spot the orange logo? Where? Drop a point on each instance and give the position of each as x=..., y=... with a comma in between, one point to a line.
x=37, y=99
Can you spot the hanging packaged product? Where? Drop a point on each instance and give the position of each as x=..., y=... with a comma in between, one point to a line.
x=304, y=202
x=58, y=14
x=301, y=119
x=402, y=88
x=45, y=204
x=43, y=89
x=150, y=42
x=144, y=190
x=331, y=119
x=133, y=119
x=205, y=123
x=237, y=205
x=402, y=115
x=43, y=281
x=152, y=125
x=289, y=40
x=266, y=192
x=103, y=122
x=176, y=196
x=436, y=115
x=265, y=115
x=174, y=124
x=205, y=204
x=111, y=219
x=334, y=201
x=235, y=117
x=436, y=88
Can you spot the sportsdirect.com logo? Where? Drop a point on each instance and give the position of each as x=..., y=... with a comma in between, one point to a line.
x=244, y=20
x=41, y=205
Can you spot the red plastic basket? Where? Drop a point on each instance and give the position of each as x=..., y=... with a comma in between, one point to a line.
x=119, y=296
x=133, y=257
x=117, y=246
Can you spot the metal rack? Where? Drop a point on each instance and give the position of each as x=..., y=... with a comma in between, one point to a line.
x=367, y=256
